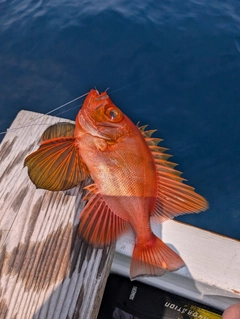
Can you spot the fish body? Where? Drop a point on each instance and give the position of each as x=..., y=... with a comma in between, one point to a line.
x=128, y=183
x=133, y=181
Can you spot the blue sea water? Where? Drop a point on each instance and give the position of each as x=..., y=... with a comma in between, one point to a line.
x=174, y=65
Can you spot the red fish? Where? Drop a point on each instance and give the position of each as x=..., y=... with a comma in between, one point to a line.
x=133, y=181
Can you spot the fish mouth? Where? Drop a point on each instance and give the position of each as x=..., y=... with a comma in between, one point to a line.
x=102, y=96
x=96, y=96
x=106, y=124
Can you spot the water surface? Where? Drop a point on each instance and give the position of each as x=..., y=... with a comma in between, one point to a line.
x=173, y=65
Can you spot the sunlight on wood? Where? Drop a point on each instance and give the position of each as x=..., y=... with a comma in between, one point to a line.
x=46, y=270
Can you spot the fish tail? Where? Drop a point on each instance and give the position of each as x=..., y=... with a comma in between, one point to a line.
x=153, y=258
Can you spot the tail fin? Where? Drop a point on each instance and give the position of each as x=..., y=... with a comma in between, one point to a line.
x=153, y=258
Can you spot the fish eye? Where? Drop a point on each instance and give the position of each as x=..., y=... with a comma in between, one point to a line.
x=113, y=114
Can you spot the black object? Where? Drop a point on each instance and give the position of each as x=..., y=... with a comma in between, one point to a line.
x=124, y=299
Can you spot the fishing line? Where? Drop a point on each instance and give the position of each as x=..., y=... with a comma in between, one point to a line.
x=32, y=122
x=67, y=103
x=119, y=89
x=133, y=83
x=72, y=108
x=61, y=106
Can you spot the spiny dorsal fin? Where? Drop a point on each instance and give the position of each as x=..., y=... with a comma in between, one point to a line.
x=147, y=133
x=173, y=196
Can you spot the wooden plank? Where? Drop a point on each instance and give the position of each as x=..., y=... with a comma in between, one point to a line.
x=46, y=271
x=212, y=272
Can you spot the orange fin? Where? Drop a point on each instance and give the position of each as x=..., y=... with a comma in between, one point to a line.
x=92, y=189
x=61, y=129
x=174, y=197
x=99, y=226
x=153, y=258
x=56, y=165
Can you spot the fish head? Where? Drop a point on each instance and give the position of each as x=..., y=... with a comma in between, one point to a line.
x=100, y=117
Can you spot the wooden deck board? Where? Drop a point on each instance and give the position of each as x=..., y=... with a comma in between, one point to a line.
x=46, y=270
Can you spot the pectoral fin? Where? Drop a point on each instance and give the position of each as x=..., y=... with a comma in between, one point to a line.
x=56, y=165
x=61, y=129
